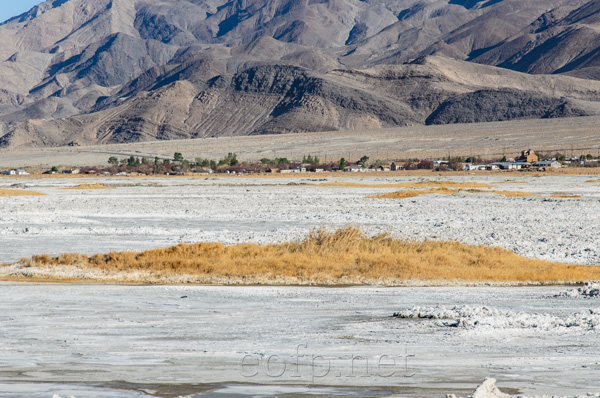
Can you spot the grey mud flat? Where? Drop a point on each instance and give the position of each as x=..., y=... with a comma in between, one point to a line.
x=199, y=341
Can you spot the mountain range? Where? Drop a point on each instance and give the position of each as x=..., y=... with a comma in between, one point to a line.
x=110, y=71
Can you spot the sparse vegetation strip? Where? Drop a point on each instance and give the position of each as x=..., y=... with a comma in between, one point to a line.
x=440, y=184
x=345, y=256
x=566, y=196
x=410, y=193
x=90, y=186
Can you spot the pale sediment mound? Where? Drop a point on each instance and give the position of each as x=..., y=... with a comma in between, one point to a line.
x=589, y=290
x=482, y=318
x=488, y=389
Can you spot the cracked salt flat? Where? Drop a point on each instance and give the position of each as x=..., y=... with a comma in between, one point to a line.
x=147, y=213
x=91, y=336
x=72, y=335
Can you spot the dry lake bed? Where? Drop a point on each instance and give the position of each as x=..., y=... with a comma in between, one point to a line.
x=100, y=340
x=143, y=213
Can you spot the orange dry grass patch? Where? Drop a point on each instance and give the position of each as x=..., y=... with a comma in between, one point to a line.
x=340, y=257
x=566, y=196
x=510, y=194
x=19, y=192
x=90, y=186
x=410, y=193
x=439, y=184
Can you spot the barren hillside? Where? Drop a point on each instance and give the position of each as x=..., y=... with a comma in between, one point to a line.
x=109, y=71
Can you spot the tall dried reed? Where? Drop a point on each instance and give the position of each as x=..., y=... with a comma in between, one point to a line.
x=323, y=257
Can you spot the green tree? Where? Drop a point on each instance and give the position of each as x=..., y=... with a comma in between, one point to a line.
x=377, y=163
x=363, y=161
x=178, y=157
x=233, y=161
x=113, y=161
x=309, y=159
x=159, y=169
x=229, y=160
x=131, y=161
x=342, y=164
x=266, y=161
x=202, y=162
x=282, y=161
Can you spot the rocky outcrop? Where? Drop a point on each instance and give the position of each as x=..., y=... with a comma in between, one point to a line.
x=489, y=106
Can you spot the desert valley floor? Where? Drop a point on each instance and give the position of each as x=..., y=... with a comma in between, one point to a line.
x=103, y=340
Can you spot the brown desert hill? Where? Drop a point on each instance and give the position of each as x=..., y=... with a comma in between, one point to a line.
x=557, y=42
x=273, y=99
x=121, y=70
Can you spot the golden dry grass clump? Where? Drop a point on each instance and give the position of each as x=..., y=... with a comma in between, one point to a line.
x=447, y=184
x=420, y=184
x=19, y=192
x=345, y=256
x=90, y=186
x=410, y=193
x=510, y=194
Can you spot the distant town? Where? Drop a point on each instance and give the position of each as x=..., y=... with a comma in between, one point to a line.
x=178, y=165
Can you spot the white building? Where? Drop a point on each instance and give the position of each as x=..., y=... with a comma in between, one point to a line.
x=18, y=172
x=547, y=163
x=508, y=165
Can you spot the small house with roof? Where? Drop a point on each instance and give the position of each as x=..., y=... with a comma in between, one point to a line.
x=527, y=156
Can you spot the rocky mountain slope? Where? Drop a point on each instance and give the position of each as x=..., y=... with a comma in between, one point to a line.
x=130, y=70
